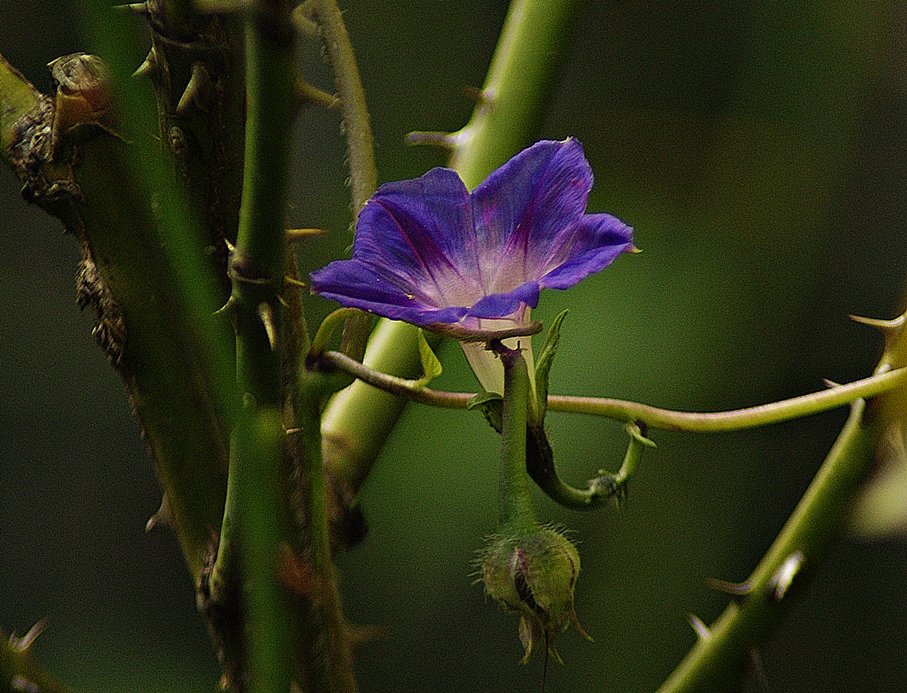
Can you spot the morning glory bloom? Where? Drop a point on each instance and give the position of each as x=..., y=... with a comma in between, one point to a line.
x=428, y=252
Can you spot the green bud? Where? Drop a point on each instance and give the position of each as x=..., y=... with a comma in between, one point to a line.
x=534, y=574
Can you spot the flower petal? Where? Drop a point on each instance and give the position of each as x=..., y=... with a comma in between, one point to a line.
x=522, y=208
x=505, y=305
x=588, y=247
x=420, y=231
x=355, y=284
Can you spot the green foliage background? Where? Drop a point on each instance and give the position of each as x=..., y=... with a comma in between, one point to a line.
x=760, y=150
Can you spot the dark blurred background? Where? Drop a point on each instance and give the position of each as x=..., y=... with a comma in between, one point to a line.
x=758, y=148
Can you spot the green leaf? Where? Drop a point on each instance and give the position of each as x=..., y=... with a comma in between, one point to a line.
x=491, y=404
x=431, y=366
x=543, y=367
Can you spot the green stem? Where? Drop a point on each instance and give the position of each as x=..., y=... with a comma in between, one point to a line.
x=358, y=420
x=652, y=417
x=717, y=659
x=601, y=489
x=257, y=527
x=329, y=653
x=715, y=662
x=512, y=101
x=737, y=419
x=175, y=363
x=515, y=511
x=255, y=507
x=359, y=141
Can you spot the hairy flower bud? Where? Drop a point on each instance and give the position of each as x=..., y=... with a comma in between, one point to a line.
x=534, y=574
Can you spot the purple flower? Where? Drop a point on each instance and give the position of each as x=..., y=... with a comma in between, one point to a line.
x=430, y=253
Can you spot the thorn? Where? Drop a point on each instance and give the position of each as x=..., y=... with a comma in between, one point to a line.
x=784, y=576
x=197, y=90
x=230, y=247
x=294, y=235
x=445, y=140
x=308, y=94
x=149, y=67
x=579, y=627
x=830, y=384
x=219, y=6
x=161, y=517
x=295, y=574
x=23, y=643
x=737, y=589
x=226, y=310
x=474, y=94
x=758, y=668
x=305, y=23
x=702, y=631
x=20, y=684
x=890, y=329
x=292, y=281
x=362, y=634
x=139, y=8
x=266, y=315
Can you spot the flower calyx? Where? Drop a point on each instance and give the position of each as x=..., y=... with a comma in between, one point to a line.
x=534, y=575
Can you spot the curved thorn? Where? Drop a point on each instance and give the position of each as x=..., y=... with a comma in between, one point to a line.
x=219, y=6
x=699, y=627
x=294, y=235
x=196, y=91
x=226, y=310
x=161, y=517
x=736, y=589
x=784, y=576
x=266, y=315
x=139, y=8
x=26, y=641
x=309, y=94
x=891, y=329
x=445, y=140
x=149, y=67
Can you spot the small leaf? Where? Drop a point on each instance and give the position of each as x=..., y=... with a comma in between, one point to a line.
x=431, y=366
x=491, y=404
x=543, y=366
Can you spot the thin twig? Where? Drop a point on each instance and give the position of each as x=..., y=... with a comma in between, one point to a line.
x=652, y=417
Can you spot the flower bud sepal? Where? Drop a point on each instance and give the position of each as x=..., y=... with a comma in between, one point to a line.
x=534, y=574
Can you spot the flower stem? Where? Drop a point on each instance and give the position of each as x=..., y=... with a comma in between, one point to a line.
x=715, y=662
x=358, y=420
x=257, y=528
x=515, y=513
